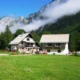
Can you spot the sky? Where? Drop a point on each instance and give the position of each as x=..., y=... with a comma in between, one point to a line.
x=20, y=7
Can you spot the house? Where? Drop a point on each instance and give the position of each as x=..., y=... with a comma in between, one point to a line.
x=55, y=44
x=24, y=43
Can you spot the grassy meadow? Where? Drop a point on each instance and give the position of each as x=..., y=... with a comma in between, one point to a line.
x=39, y=67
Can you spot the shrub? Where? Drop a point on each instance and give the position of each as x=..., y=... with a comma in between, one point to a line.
x=44, y=52
x=53, y=53
x=37, y=52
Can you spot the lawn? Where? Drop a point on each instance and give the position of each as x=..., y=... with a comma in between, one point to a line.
x=39, y=67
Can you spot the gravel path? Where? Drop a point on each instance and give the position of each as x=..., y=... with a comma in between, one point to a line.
x=4, y=54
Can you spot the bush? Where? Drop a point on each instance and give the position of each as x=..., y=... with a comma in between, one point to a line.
x=37, y=52
x=44, y=52
x=53, y=53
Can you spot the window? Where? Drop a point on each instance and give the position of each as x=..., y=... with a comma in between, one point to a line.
x=59, y=51
x=49, y=44
x=58, y=45
x=48, y=50
x=28, y=39
x=28, y=43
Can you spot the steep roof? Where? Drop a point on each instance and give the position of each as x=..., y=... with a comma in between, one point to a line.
x=55, y=38
x=18, y=39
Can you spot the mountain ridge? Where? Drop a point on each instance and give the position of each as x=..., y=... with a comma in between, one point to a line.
x=12, y=21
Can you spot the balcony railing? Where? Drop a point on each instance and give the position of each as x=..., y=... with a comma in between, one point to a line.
x=54, y=46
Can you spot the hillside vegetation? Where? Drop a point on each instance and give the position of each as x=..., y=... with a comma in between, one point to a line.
x=66, y=25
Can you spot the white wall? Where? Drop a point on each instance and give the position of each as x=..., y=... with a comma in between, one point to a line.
x=64, y=51
x=13, y=47
x=31, y=40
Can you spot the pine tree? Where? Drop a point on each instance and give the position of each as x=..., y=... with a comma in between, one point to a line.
x=5, y=38
x=18, y=32
x=8, y=35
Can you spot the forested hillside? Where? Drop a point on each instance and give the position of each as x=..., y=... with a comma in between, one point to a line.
x=67, y=24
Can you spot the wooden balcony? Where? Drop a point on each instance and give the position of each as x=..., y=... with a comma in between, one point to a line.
x=62, y=46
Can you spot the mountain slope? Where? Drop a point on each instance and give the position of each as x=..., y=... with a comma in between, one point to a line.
x=65, y=25
x=38, y=15
x=12, y=21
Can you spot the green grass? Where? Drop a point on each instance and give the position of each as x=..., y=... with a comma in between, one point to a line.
x=5, y=52
x=39, y=67
x=12, y=53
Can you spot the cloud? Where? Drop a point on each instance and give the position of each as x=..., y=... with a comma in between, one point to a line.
x=69, y=7
x=54, y=11
x=16, y=27
x=2, y=28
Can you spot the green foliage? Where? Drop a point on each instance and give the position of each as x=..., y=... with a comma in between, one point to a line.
x=5, y=38
x=8, y=35
x=75, y=41
x=46, y=32
x=78, y=44
x=18, y=32
x=2, y=41
x=36, y=36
